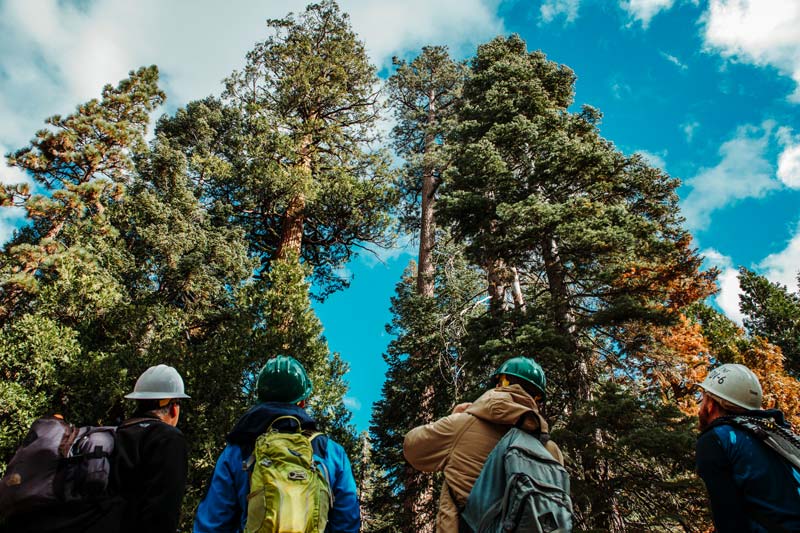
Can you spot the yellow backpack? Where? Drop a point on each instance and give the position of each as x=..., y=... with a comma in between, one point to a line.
x=289, y=490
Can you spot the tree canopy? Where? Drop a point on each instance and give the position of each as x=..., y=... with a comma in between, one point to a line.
x=203, y=245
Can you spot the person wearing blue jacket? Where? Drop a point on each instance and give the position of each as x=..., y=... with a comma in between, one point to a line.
x=283, y=387
x=751, y=487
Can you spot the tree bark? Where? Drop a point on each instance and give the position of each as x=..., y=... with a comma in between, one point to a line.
x=427, y=232
x=293, y=219
x=516, y=290
x=602, y=509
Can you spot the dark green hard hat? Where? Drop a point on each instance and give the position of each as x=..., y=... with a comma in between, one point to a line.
x=283, y=379
x=524, y=368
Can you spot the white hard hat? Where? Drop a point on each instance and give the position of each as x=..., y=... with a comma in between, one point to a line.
x=158, y=383
x=734, y=383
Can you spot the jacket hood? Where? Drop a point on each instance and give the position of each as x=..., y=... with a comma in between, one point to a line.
x=509, y=406
x=256, y=421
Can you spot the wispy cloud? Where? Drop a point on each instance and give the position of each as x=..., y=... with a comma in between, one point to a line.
x=643, y=11
x=552, y=9
x=620, y=89
x=782, y=267
x=789, y=160
x=761, y=32
x=674, y=60
x=729, y=290
x=655, y=160
x=11, y=218
x=743, y=172
x=689, y=129
x=352, y=403
x=406, y=245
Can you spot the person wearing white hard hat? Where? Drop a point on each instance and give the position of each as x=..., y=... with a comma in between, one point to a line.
x=750, y=486
x=150, y=462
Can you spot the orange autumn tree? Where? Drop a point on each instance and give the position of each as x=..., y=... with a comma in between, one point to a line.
x=728, y=343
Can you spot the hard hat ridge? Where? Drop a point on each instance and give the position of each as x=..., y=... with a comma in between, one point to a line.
x=157, y=383
x=283, y=379
x=524, y=368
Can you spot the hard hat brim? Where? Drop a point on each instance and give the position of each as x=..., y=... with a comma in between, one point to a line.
x=155, y=396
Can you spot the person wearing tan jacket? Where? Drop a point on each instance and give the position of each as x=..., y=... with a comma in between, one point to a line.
x=459, y=444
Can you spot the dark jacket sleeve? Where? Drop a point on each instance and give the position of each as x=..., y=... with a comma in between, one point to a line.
x=165, y=465
x=727, y=500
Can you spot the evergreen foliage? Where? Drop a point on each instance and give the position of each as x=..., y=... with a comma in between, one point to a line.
x=772, y=312
x=433, y=326
x=201, y=249
x=307, y=176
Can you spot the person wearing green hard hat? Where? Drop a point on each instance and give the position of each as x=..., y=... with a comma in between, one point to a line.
x=748, y=457
x=460, y=443
x=282, y=388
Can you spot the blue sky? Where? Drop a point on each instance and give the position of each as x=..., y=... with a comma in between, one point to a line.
x=707, y=90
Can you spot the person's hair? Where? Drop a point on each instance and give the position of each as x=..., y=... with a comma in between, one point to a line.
x=532, y=390
x=154, y=407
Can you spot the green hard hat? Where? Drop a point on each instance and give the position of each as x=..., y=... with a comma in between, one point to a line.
x=524, y=368
x=283, y=379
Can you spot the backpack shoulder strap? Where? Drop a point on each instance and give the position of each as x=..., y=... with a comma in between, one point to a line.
x=780, y=439
x=319, y=443
x=298, y=429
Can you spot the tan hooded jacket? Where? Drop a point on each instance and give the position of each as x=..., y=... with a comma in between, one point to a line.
x=459, y=444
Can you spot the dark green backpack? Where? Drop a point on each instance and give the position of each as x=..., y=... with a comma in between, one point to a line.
x=521, y=488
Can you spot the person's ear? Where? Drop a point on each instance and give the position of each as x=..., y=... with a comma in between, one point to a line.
x=174, y=409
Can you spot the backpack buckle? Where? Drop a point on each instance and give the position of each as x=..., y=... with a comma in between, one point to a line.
x=298, y=475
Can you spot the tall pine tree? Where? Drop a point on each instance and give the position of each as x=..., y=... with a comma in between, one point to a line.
x=578, y=243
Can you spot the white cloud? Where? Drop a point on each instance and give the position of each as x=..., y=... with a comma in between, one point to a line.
x=552, y=9
x=56, y=55
x=789, y=160
x=729, y=291
x=789, y=166
x=655, y=160
x=762, y=32
x=782, y=267
x=644, y=10
x=743, y=172
x=620, y=89
x=406, y=246
x=689, y=128
x=352, y=403
x=674, y=60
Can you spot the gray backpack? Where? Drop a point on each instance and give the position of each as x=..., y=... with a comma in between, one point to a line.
x=57, y=463
x=521, y=489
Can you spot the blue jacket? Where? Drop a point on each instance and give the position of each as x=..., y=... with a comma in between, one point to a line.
x=224, y=509
x=751, y=487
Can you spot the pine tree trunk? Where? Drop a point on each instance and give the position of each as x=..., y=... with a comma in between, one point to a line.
x=564, y=321
x=516, y=290
x=292, y=231
x=427, y=233
x=293, y=219
x=420, y=503
x=602, y=508
x=419, y=485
